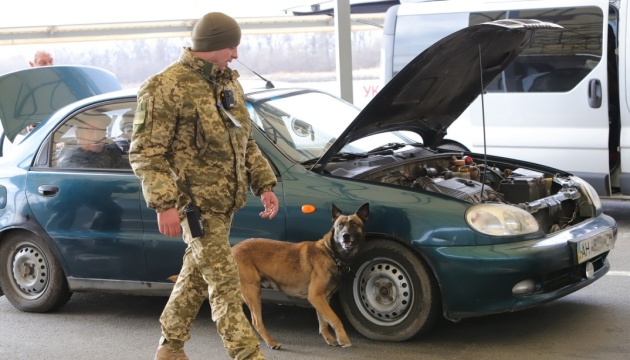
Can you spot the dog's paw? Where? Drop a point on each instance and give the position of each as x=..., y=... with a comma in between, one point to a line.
x=332, y=342
x=344, y=341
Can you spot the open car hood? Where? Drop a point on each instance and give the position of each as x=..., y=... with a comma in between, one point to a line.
x=433, y=90
x=32, y=95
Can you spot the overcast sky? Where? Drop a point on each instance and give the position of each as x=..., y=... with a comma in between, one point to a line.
x=64, y=12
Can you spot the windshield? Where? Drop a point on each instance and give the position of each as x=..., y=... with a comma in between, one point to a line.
x=304, y=124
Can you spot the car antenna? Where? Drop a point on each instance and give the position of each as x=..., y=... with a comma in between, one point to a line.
x=483, y=123
x=268, y=85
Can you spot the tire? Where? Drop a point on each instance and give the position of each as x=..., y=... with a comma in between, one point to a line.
x=30, y=274
x=388, y=268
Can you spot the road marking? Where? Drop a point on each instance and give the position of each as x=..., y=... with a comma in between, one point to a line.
x=619, y=273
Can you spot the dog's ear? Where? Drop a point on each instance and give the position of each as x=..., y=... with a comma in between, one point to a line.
x=364, y=212
x=335, y=212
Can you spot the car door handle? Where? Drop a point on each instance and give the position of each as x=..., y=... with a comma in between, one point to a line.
x=48, y=190
x=595, y=93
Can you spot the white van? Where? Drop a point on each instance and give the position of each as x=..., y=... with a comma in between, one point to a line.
x=563, y=103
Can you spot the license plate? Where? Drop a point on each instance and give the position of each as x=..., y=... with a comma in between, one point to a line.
x=591, y=247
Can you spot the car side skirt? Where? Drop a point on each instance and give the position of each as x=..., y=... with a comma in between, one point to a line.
x=143, y=288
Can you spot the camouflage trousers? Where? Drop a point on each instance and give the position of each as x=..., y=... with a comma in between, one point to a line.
x=209, y=271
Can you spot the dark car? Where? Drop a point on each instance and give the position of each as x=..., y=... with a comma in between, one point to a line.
x=452, y=234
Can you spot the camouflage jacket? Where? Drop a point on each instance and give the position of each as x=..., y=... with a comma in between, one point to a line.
x=178, y=131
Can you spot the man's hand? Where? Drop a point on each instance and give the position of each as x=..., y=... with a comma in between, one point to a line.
x=168, y=223
x=270, y=202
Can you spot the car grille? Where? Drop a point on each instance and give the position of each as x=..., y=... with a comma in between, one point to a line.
x=565, y=277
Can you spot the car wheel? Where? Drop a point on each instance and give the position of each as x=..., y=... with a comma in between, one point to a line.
x=390, y=295
x=31, y=276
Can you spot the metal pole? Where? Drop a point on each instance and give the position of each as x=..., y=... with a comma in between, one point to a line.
x=343, y=43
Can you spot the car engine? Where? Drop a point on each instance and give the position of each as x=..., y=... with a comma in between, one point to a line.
x=553, y=199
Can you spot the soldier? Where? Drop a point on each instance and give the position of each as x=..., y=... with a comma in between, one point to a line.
x=192, y=126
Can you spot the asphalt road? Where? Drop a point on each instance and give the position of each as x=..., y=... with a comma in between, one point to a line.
x=593, y=323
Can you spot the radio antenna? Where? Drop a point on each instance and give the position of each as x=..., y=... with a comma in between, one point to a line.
x=483, y=122
x=268, y=85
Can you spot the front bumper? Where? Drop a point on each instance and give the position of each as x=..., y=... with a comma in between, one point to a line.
x=479, y=280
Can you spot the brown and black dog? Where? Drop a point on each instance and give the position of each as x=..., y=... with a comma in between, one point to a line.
x=310, y=270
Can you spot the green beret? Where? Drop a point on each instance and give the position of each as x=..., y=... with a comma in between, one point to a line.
x=215, y=31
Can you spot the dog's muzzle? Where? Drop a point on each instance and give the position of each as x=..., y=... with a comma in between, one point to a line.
x=348, y=242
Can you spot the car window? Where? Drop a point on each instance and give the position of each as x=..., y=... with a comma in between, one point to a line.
x=95, y=138
x=304, y=125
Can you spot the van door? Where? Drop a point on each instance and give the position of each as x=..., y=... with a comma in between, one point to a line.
x=624, y=100
x=551, y=105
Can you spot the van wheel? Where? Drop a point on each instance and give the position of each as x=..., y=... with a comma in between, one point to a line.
x=30, y=275
x=390, y=294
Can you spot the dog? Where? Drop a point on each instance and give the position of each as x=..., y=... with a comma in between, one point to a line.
x=308, y=270
x=311, y=270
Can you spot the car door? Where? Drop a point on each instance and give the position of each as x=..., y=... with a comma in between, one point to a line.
x=164, y=254
x=90, y=209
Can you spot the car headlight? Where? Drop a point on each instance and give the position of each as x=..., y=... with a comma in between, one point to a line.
x=500, y=220
x=591, y=197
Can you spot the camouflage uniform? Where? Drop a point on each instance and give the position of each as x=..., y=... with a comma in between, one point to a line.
x=178, y=132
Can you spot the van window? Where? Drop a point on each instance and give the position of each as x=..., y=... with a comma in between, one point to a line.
x=554, y=61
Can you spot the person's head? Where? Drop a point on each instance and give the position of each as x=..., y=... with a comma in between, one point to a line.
x=41, y=58
x=31, y=127
x=91, y=132
x=215, y=38
x=127, y=130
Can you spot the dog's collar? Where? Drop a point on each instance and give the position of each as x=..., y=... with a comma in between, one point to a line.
x=341, y=265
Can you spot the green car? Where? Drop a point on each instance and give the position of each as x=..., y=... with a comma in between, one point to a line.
x=451, y=233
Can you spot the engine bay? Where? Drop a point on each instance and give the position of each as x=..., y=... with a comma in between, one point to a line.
x=553, y=199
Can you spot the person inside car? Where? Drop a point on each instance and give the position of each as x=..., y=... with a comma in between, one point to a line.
x=92, y=149
x=124, y=139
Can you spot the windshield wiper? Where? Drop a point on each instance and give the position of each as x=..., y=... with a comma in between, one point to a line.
x=390, y=146
x=339, y=156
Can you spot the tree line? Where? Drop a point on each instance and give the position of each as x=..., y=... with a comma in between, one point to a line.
x=277, y=57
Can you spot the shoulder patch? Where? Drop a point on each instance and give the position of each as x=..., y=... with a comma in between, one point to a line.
x=140, y=116
x=141, y=113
